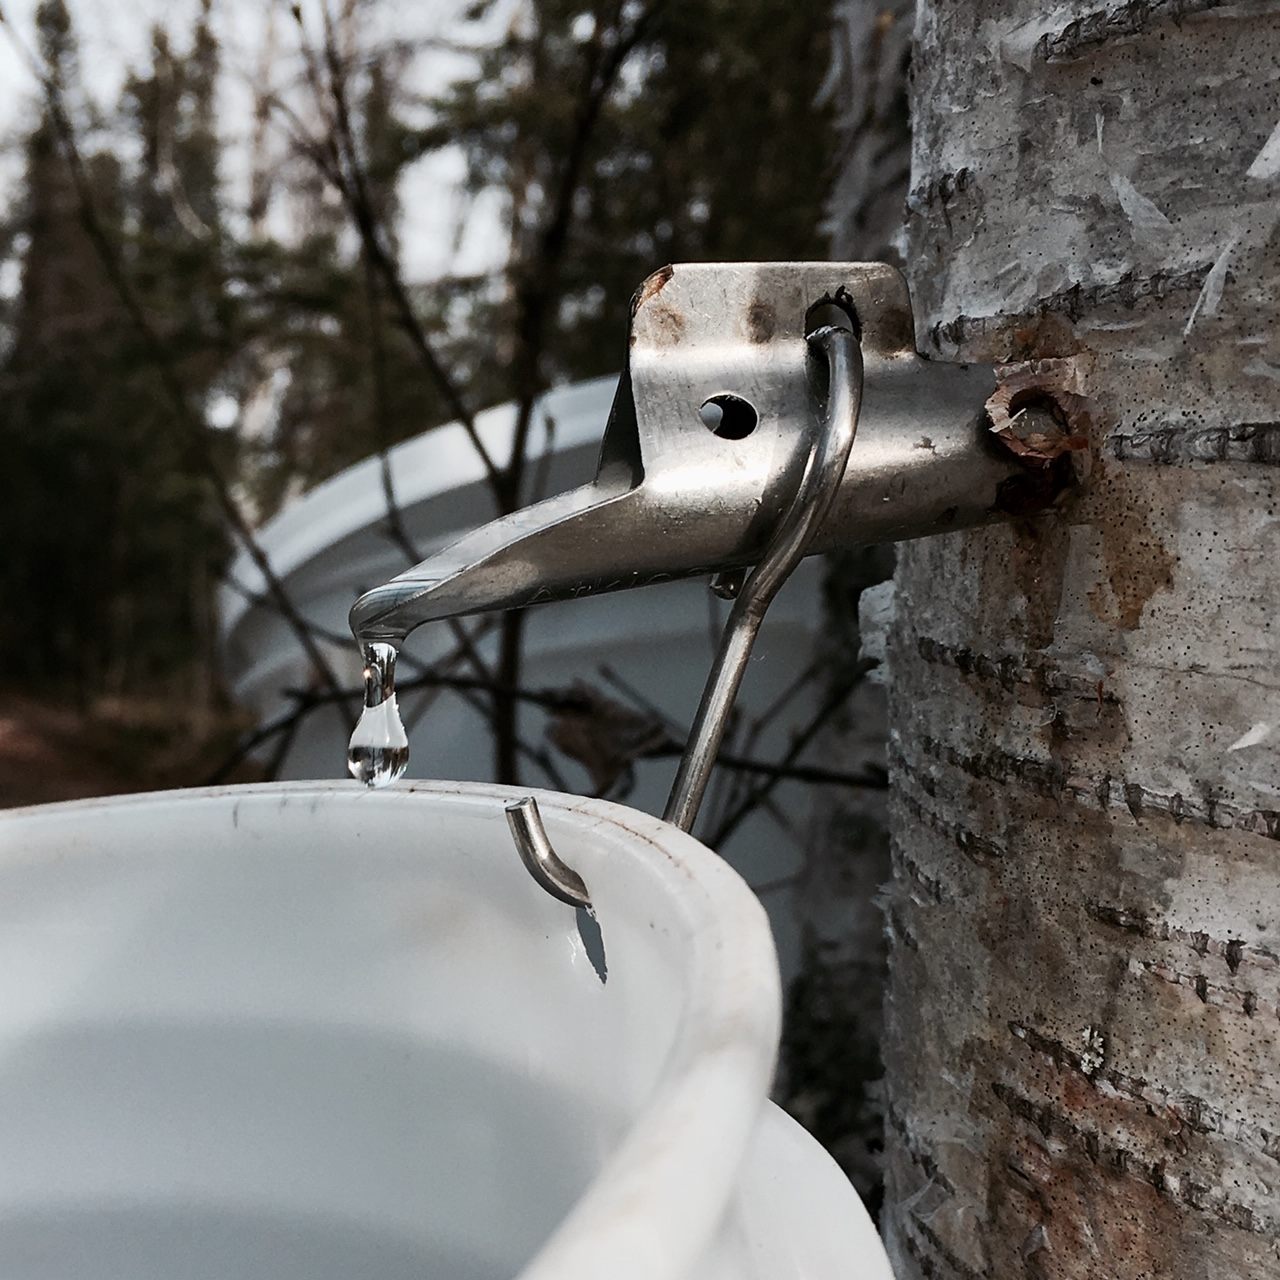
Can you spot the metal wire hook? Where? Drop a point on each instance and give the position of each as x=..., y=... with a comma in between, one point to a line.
x=823, y=472
x=539, y=857
x=824, y=469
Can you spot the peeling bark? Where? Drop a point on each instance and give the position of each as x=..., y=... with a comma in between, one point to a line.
x=1083, y=1039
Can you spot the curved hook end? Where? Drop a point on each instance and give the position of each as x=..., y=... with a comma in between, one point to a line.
x=539, y=857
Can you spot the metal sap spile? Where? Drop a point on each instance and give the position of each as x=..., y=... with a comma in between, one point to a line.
x=721, y=407
x=673, y=500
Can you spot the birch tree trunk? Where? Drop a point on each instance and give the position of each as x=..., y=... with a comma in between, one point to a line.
x=1083, y=1040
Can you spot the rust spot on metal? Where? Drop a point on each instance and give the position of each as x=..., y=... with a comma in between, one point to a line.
x=664, y=325
x=762, y=321
x=651, y=287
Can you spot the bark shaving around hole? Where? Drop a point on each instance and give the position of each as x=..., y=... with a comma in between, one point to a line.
x=1038, y=412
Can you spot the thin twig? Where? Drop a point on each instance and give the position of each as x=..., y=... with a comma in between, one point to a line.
x=381, y=412
x=610, y=676
x=829, y=706
x=307, y=701
x=352, y=184
x=779, y=882
x=348, y=177
x=465, y=639
x=329, y=167
x=537, y=280
x=540, y=287
x=784, y=770
x=732, y=796
x=288, y=737
x=744, y=762
x=547, y=699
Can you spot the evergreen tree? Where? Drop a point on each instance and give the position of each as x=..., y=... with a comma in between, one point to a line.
x=709, y=148
x=113, y=541
x=111, y=531
x=59, y=519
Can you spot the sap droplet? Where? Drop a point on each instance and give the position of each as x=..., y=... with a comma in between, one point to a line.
x=379, y=749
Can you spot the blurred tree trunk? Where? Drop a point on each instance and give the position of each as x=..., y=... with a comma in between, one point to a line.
x=830, y=1051
x=867, y=87
x=1083, y=1040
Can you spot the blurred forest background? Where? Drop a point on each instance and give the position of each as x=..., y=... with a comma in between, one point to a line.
x=261, y=243
x=202, y=317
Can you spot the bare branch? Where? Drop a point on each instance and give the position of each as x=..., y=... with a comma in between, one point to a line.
x=473, y=692
x=465, y=638
x=380, y=411
x=787, y=771
x=537, y=288
x=734, y=794
x=305, y=701
x=830, y=705
x=536, y=298
x=345, y=171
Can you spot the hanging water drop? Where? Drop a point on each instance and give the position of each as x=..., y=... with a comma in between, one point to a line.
x=379, y=749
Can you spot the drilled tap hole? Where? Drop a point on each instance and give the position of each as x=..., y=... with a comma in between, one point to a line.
x=728, y=416
x=1040, y=402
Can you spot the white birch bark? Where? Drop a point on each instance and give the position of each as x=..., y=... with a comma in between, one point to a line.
x=1083, y=1041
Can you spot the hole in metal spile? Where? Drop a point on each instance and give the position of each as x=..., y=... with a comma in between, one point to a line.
x=728, y=416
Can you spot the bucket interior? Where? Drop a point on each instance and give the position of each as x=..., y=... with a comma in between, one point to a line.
x=274, y=1034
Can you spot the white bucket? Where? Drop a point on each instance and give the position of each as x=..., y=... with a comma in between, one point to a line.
x=304, y=1032
x=331, y=545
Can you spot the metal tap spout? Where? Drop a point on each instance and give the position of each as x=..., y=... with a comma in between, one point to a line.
x=709, y=435
x=553, y=550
